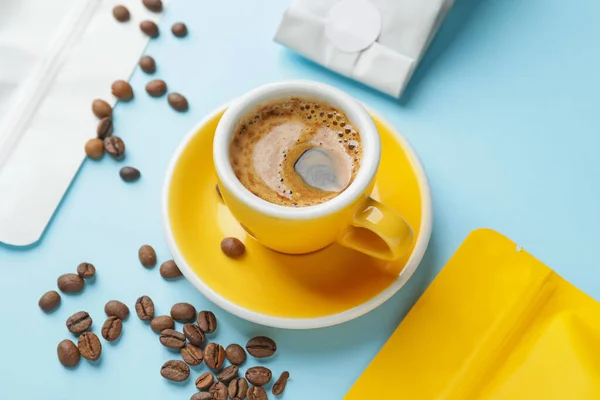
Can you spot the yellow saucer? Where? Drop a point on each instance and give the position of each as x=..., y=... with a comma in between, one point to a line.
x=300, y=291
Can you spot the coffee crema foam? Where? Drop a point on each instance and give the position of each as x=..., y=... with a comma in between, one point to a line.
x=296, y=152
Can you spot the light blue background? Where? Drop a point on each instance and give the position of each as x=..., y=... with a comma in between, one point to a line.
x=504, y=113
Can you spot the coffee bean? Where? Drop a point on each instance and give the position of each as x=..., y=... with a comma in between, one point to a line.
x=144, y=307
x=111, y=330
x=179, y=29
x=170, y=270
x=115, y=147
x=156, y=88
x=235, y=354
x=228, y=373
x=172, y=339
x=177, y=102
x=79, y=322
x=121, y=13
x=205, y=381
x=194, y=334
x=149, y=28
x=147, y=256
x=257, y=393
x=89, y=346
x=279, y=385
x=232, y=247
x=161, y=323
x=148, y=65
x=94, y=148
x=105, y=128
x=258, y=376
x=49, y=301
x=86, y=270
x=202, y=396
x=218, y=391
x=175, y=370
x=207, y=321
x=129, y=174
x=261, y=347
x=183, y=312
x=153, y=5
x=68, y=353
x=70, y=283
x=122, y=90
x=214, y=355
x=117, y=309
x=101, y=109
x=238, y=388
x=192, y=354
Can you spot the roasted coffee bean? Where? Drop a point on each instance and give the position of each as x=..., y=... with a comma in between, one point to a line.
x=156, y=88
x=147, y=256
x=130, y=174
x=177, y=102
x=214, y=355
x=105, y=128
x=68, y=353
x=205, y=381
x=117, y=309
x=258, y=376
x=94, y=148
x=70, y=283
x=86, y=270
x=179, y=29
x=121, y=13
x=207, y=321
x=235, y=354
x=147, y=64
x=202, y=396
x=144, y=307
x=89, y=346
x=153, y=5
x=111, y=330
x=192, y=354
x=161, y=323
x=49, y=301
x=149, y=28
x=170, y=270
x=218, y=391
x=101, y=108
x=175, y=370
x=183, y=312
x=122, y=90
x=194, y=334
x=238, y=388
x=79, y=322
x=115, y=147
x=261, y=347
x=228, y=373
x=172, y=339
x=257, y=393
x=232, y=247
x=279, y=385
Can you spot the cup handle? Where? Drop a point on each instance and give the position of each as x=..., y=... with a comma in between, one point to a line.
x=378, y=231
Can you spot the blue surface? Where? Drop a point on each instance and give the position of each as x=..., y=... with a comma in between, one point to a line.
x=503, y=112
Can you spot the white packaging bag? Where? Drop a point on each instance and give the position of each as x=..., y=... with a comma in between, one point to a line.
x=376, y=42
x=56, y=57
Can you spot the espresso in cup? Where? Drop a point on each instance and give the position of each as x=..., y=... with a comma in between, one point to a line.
x=296, y=152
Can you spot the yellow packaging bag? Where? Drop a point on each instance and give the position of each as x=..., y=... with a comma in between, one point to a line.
x=495, y=324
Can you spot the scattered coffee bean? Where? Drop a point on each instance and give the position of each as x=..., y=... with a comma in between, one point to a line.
x=49, y=301
x=68, y=353
x=214, y=355
x=147, y=256
x=238, y=388
x=218, y=391
x=89, y=346
x=144, y=307
x=235, y=354
x=192, y=354
x=170, y=270
x=194, y=334
x=232, y=247
x=105, y=128
x=175, y=370
x=115, y=147
x=149, y=28
x=101, y=109
x=207, y=321
x=111, y=330
x=261, y=347
x=227, y=374
x=79, y=322
x=257, y=393
x=258, y=376
x=148, y=65
x=121, y=13
x=279, y=385
x=122, y=90
x=94, y=148
x=153, y=5
x=179, y=29
x=183, y=312
x=172, y=339
x=70, y=283
x=205, y=381
x=161, y=323
x=218, y=191
x=202, y=396
x=177, y=102
x=156, y=88
x=117, y=309
x=86, y=270
x=129, y=174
